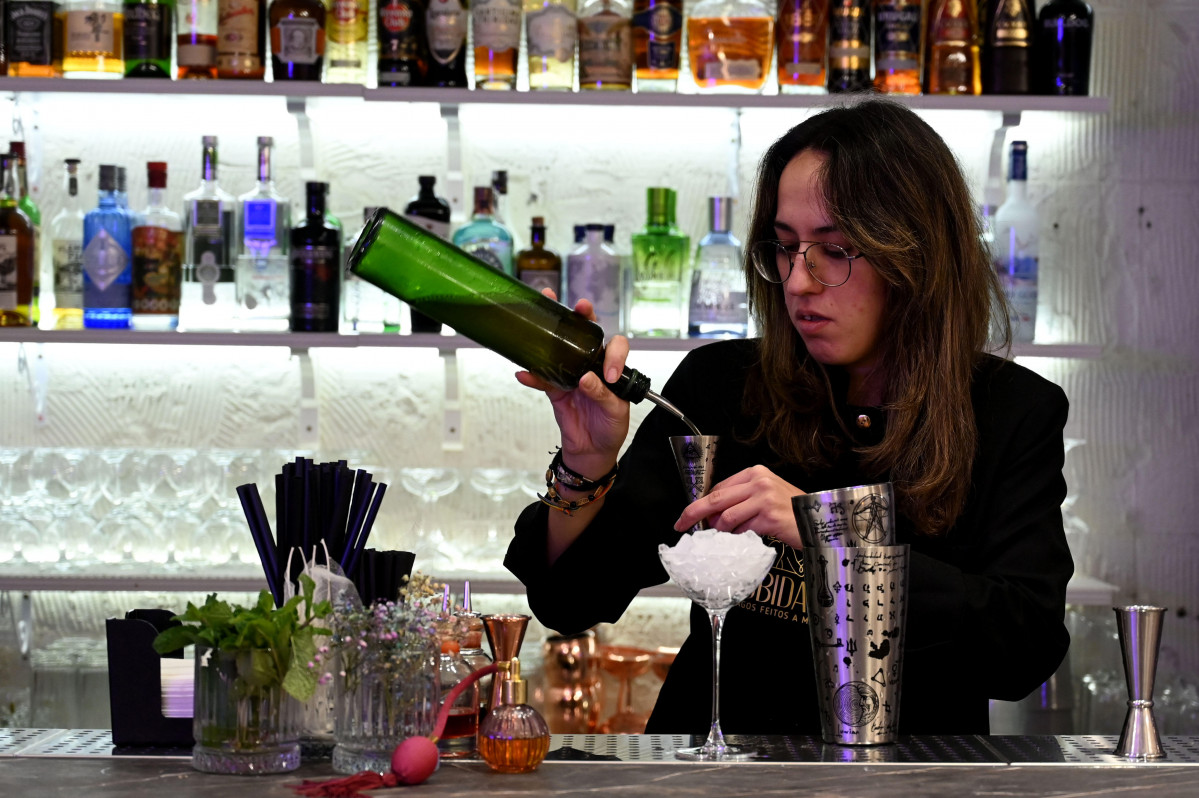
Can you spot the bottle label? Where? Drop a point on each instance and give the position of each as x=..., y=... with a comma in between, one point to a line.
x=801, y=38
x=157, y=270
x=551, y=33
x=31, y=33
x=446, y=24
x=104, y=259
x=209, y=245
x=897, y=36
x=605, y=49
x=67, y=261
x=90, y=33
x=849, y=36
x=496, y=254
x=315, y=276
x=237, y=33
x=298, y=40
x=717, y=299
x=952, y=27
x=348, y=21
x=497, y=24
x=147, y=32
x=399, y=30
x=8, y=277
x=439, y=229
x=1011, y=25
x=258, y=220
x=1018, y=274
x=662, y=26
x=542, y=278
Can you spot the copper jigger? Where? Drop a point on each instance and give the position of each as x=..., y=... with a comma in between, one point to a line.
x=695, y=455
x=505, y=633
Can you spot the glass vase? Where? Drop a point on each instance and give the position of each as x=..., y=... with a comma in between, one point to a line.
x=242, y=728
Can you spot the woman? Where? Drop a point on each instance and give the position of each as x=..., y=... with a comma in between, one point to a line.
x=870, y=367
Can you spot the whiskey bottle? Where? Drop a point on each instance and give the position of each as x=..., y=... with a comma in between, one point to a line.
x=107, y=259
x=496, y=28
x=209, y=285
x=951, y=66
x=849, y=46
x=593, y=272
x=431, y=212
x=898, y=46
x=718, y=304
x=801, y=34
x=264, y=233
x=660, y=257
x=93, y=39
x=241, y=32
x=297, y=39
x=605, y=45
x=34, y=213
x=484, y=237
x=539, y=266
x=550, y=38
x=1016, y=250
x=17, y=263
x=196, y=26
x=33, y=38
x=446, y=24
x=730, y=44
x=315, y=267
x=347, y=40
x=66, y=254
x=149, y=25
x=1007, y=47
x=657, y=43
x=1064, y=31
x=157, y=258
x=403, y=47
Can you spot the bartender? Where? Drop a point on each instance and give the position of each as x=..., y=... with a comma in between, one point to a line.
x=873, y=291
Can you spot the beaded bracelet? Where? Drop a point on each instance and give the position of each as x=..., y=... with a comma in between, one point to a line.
x=555, y=501
x=560, y=472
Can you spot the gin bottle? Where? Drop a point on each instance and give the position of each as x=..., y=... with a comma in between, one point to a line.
x=432, y=213
x=484, y=237
x=315, y=267
x=209, y=285
x=1016, y=247
x=660, y=254
x=593, y=272
x=539, y=266
x=16, y=252
x=107, y=259
x=366, y=308
x=718, y=308
x=550, y=43
x=157, y=258
x=264, y=229
x=66, y=254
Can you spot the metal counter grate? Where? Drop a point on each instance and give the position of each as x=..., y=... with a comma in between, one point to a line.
x=1091, y=750
x=16, y=741
x=616, y=747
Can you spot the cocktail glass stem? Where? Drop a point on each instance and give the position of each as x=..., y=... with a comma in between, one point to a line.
x=715, y=745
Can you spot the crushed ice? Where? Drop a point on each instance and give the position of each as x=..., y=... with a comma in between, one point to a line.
x=717, y=569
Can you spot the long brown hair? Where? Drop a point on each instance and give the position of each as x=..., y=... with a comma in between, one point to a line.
x=896, y=192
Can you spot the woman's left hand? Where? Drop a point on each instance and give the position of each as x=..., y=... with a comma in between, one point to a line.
x=754, y=500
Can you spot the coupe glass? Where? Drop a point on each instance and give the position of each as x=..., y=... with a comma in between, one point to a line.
x=716, y=570
x=496, y=484
x=431, y=484
x=626, y=663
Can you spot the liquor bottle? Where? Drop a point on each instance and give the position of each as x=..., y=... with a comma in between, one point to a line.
x=196, y=26
x=93, y=39
x=730, y=44
x=241, y=35
x=33, y=39
x=297, y=39
x=484, y=237
x=1016, y=249
x=66, y=254
x=315, y=267
x=1007, y=47
x=27, y=205
x=366, y=307
x=593, y=272
x=264, y=233
x=157, y=257
x=718, y=308
x=550, y=38
x=801, y=34
x=16, y=252
x=1064, y=32
x=605, y=45
x=209, y=287
x=499, y=185
x=347, y=40
x=660, y=256
x=446, y=24
x=431, y=212
x=849, y=46
x=951, y=65
x=898, y=46
x=462, y=724
x=107, y=259
x=538, y=266
x=122, y=189
x=403, y=48
x=496, y=31
x=657, y=43
x=149, y=28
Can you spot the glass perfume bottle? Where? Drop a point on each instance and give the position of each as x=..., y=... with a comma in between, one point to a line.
x=730, y=43
x=513, y=738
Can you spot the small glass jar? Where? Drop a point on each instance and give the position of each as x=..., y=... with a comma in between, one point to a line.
x=462, y=721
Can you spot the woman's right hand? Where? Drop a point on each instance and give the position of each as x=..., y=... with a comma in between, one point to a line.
x=593, y=421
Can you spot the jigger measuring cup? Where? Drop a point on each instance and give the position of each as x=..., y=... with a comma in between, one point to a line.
x=505, y=633
x=1140, y=630
x=695, y=456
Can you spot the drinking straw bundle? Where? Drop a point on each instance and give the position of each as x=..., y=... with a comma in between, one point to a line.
x=315, y=504
x=379, y=575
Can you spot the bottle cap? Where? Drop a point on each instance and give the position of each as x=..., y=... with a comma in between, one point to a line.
x=609, y=232
x=108, y=177
x=484, y=197
x=208, y=141
x=263, y=141
x=657, y=204
x=539, y=221
x=466, y=607
x=499, y=181
x=368, y=212
x=17, y=149
x=316, y=185
x=426, y=181
x=121, y=178
x=72, y=162
x=515, y=690
x=156, y=174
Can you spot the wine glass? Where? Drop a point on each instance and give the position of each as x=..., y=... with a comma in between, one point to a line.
x=226, y=535
x=716, y=570
x=626, y=663
x=121, y=537
x=496, y=484
x=430, y=485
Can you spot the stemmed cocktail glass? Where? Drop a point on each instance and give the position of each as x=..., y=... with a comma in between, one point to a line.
x=431, y=484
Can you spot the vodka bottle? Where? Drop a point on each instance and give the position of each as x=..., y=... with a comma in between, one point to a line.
x=264, y=228
x=1015, y=249
x=717, y=308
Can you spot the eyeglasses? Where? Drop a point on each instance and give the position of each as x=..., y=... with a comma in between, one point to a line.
x=829, y=264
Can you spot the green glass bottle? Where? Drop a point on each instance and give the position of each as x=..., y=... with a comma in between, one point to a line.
x=660, y=256
x=149, y=31
x=30, y=209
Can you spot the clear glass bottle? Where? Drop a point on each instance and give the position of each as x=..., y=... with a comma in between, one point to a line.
x=849, y=46
x=93, y=39
x=718, y=305
x=606, y=45
x=487, y=239
x=496, y=33
x=657, y=44
x=264, y=231
x=660, y=256
x=348, y=37
x=801, y=35
x=66, y=254
x=593, y=272
x=951, y=66
x=513, y=737
x=538, y=265
x=16, y=248
x=1016, y=249
x=550, y=39
x=157, y=257
x=196, y=26
x=898, y=46
x=462, y=723
x=241, y=40
x=1064, y=32
x=149, y=29
x=34, y=39
x=315, y=267
x=730, y=44
x=366, y=308
x=107, y=259
x=209, y=278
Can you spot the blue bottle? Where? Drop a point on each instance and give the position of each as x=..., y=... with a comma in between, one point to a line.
x=108, y=259
x=484, y=237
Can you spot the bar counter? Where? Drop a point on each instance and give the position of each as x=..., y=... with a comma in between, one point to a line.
x=76, y=763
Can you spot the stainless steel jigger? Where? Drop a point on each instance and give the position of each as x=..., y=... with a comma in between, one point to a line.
x=1140, y=629
x=695, y=456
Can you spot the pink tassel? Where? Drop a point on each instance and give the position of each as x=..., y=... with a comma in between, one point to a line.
x=349, y=787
